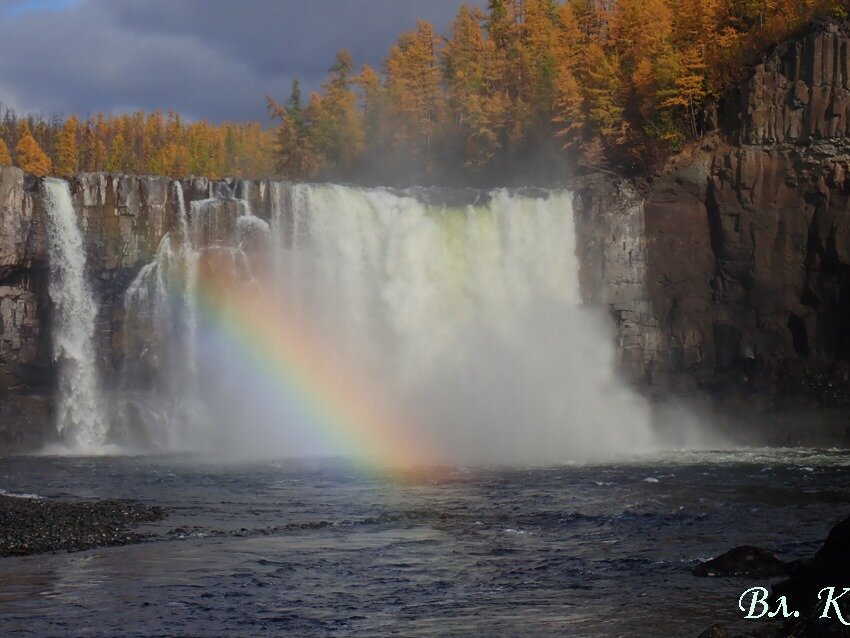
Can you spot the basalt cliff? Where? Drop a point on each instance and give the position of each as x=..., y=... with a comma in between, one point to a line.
x=728, y=275
x=745, y=250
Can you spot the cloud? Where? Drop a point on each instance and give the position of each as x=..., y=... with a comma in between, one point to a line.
x=212, y=59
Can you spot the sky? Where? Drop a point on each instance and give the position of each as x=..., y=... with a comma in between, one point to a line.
x=214, y=59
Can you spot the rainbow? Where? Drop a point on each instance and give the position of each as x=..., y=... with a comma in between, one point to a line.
x=340, y=401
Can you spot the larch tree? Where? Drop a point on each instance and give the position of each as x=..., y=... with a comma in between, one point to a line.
x=538, y=59
x=568, y=112
x=67, y=152
x=477, y=110
x=5, y=157
x=29, y=156
x=372, y=103
x=414, y=87
x=116, y=162
x=94, y=150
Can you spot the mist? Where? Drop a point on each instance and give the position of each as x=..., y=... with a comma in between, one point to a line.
x=447, y=323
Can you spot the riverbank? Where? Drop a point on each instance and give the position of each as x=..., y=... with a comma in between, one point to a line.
x=34, y=525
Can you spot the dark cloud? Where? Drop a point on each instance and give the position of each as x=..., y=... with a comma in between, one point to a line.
x=205, y=58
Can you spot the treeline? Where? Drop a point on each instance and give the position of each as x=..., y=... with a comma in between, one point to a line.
x=149, y=143
x=523, y=90
x=529, y=87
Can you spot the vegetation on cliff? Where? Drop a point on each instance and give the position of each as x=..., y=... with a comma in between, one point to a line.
x=523, y=88
x=535, y=85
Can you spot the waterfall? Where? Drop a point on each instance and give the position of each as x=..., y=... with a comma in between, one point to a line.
x=471, y=312
x=465, y=305
x=80, y=418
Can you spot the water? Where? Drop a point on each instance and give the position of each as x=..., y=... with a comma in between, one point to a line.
x=462, y=309
x=81, y=419
x=322, y=549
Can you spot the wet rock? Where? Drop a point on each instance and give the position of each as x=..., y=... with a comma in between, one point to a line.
x=715, y=631
x=37, y=525
x=744, y=561
x=829, y=568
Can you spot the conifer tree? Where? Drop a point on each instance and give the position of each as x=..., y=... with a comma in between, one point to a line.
x=117, y=154
x=414, y=88
x=29, y=156
x=337, y=124
x=67, y=155
x=5, y=157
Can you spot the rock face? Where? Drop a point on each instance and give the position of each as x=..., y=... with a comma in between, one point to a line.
x=799, y=93
x=745, y=246
x=123, y=219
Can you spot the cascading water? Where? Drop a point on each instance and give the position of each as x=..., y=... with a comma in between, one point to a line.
x=471, y=313
x=467, y=312
x=80, y=416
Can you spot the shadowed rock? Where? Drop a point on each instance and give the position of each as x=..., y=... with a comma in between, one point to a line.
x=745, y=561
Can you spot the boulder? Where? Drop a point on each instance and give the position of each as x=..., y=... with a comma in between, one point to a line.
x=744, y=561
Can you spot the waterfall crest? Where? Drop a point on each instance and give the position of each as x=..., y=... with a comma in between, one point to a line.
x=81, y=418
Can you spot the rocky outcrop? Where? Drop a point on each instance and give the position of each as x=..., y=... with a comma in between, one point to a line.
x=124, y=219
x=800, y=92
x=611, y=230
x=744, y=254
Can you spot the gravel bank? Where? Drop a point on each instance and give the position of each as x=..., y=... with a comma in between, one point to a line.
x=37, y=525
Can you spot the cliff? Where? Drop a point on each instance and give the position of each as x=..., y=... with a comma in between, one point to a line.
x=123, y=220
x=746, y=244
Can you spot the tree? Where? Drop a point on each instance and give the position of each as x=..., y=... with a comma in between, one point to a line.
x=295, y=155
x=689, y=91
x=372, y=103
x=116, y=162
x=568, y=52
x=538, y=59
x=29, y=155
x=67, y=155
x=603, y=107
x=414, y=88
x=337, y=125
x=476, y=108
x=5, y=157
x=94, y=150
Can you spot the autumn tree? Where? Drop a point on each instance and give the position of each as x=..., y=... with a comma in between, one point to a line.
x=295, y=154
x=568, y=108
x=94, y=150
x=29, y=156
x=67, y=154
x=337, y=125
x=5, y=157
x=415, y=95
x=477, y=108
x=372, y=103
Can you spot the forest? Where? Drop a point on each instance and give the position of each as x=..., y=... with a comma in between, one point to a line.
x=524, y=88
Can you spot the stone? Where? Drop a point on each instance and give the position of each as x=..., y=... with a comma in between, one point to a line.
x=744, y=561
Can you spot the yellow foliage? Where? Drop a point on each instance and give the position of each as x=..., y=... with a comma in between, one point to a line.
x=30, y=157
x=5, y=157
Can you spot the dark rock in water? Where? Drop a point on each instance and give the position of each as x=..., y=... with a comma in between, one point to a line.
x=830, y=568
x=36, y=525
x=837, y=544
x=715, y=631
x=808, y=578
x=746, y=561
